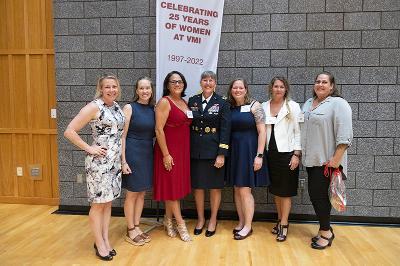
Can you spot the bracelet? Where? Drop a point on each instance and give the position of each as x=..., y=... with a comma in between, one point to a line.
x=124, y=163
x=166, y=155
x=297, y=155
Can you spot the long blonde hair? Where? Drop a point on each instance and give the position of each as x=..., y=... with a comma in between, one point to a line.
x=285, y=82
x=100, y=84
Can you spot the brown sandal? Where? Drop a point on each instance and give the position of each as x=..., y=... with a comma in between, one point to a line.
x=137, y=240
x=146, y=237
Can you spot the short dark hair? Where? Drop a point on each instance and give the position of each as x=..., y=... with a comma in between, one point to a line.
x=166, y=91
x=208, y=74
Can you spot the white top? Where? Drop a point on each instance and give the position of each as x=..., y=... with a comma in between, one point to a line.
x=286, y=129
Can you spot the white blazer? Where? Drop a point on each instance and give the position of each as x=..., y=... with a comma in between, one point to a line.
x=287, y=131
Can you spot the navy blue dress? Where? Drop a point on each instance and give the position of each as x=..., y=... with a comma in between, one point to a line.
x=243, y=150
x=139, y=148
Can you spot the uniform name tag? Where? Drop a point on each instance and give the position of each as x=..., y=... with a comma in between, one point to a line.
x=270, y=120
x=245, y=109
x=301, y=118
x=189, y=114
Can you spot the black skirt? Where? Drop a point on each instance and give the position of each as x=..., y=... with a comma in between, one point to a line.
x=205, y=175
x=284, y=182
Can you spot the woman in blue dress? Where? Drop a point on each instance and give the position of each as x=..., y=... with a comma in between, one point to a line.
x=137, y=157
x=247, y=167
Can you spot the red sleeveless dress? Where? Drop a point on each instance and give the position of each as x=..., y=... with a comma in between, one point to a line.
x=174, y=184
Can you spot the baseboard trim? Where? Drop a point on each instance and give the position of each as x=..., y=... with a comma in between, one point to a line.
x=231, y=215
x=30, y=200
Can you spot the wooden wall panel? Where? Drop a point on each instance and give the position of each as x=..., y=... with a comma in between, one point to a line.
x=38, y=92
x=28, y=135
x=20, y=91
x=22, y=159
x=41, y=156
x=4, y=27
x=51, y=83
x=5, y=117
x=54, y=165
x=17, y=17
x=36, y=32
x=6, y=165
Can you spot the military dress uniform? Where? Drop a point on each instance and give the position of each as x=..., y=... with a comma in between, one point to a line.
x=209, y=137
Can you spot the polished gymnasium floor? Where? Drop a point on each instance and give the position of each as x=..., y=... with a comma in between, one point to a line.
x=32, y=235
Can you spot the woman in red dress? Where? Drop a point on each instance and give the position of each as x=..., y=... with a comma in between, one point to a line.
x=172, y=153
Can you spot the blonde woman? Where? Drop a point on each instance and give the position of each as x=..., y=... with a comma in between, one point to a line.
x=283, y=150
x=103, y=160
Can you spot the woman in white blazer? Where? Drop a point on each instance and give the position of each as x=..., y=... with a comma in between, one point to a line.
x=283, y=150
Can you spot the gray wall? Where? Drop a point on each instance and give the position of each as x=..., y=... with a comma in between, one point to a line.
x=357, y=40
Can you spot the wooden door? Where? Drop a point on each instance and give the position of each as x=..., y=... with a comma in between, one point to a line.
x=28, y=135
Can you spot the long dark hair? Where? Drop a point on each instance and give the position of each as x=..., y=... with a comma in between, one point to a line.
x=135, y=94
x=231, y=100
x=166, y=91
x=335, y=91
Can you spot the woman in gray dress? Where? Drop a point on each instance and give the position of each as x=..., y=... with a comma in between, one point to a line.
x=103, y=160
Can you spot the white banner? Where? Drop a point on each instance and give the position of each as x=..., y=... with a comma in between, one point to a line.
x=188, y=35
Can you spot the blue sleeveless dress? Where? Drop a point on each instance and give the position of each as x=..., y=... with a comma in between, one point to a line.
x=243, y=150
x=139, y=148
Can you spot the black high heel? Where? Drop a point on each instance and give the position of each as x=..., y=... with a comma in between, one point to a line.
x=105, y=258
x=315, y=245
x=113, y=252
x=275, y=229
x=211, y=233
x=315, y=238
x=281, y=236
x=197, y=231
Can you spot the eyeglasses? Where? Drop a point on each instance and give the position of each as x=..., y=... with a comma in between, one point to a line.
x=173, y=82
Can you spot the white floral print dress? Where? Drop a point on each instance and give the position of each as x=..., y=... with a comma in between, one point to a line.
x=103, y=173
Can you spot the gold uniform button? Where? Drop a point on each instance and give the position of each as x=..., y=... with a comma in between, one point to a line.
x=207, y=130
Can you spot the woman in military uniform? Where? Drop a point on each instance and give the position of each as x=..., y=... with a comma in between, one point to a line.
x=209, y=139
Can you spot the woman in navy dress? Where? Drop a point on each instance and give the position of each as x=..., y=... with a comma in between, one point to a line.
x=247, y=167
x=137, y=157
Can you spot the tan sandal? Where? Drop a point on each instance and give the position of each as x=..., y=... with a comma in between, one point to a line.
x=169, y=227
x=146, y=237
x=137, y=240
x=183, y=232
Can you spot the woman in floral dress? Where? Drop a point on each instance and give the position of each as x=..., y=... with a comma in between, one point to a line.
x=103, y=160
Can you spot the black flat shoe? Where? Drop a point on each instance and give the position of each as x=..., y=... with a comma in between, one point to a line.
x=315, y=245
x=211, y=233
x=237, y=236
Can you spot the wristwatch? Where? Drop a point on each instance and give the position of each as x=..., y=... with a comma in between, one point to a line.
x=260, y=155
